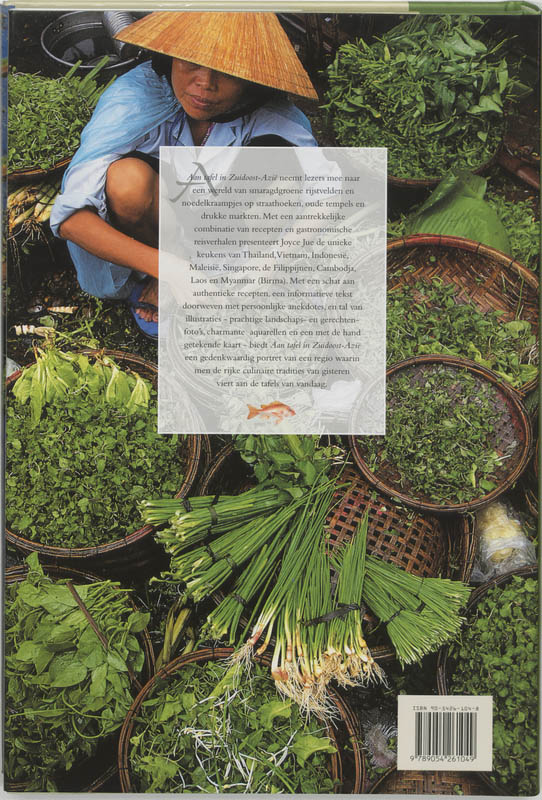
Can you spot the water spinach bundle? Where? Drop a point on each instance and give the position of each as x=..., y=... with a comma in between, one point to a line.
x=46, y=116
x=203, y=729
x=82, y=432
x=68, y=682
x=432, y=90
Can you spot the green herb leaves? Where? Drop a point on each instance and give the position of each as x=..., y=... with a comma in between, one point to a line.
x=290, y=462
x=430, y=90
x=95, y=454
x=427, y=318
x=439, y=438
x=498, y=654
x=232, y=735
x=46, y=117
x=56, y=374
x=64, y=689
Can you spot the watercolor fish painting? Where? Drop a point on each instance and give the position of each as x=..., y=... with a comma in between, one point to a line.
x=276, y=410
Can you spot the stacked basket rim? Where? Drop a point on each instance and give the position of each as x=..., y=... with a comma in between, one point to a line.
x=483, y=275
x=29, y=174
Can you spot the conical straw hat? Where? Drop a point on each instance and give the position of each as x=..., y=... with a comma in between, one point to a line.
x=248, y=45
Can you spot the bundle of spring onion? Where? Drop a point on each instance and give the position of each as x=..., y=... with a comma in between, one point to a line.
x=190, y=519
x=300, y=610
x=207, y=566
x=279, y=565
x=319, y=633
x=31, y=204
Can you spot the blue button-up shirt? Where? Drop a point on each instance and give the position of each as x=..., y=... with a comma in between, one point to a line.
x=84, y=181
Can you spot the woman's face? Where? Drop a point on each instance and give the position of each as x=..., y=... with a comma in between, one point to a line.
x=204, y=93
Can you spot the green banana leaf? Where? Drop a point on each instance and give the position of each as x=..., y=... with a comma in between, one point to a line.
x=457, y=208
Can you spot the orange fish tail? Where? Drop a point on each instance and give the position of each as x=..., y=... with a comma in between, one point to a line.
x=252, y=411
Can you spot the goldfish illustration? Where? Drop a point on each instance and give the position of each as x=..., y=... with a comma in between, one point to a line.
x=276, y=410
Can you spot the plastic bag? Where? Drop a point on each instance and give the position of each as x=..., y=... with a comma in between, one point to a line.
x=502, y=545
x=457, y=208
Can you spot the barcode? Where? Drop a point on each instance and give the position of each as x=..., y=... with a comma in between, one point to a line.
x=445, y=733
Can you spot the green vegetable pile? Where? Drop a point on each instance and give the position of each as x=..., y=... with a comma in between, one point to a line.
x=205, y=730
x=498, y=655
x=65, y=690
x=427, y=318
x=291, y=463
x=438, y=436
x=46, y=116
x=517, y=216
x=84, y=434
x=522, y=227
x=431, y=90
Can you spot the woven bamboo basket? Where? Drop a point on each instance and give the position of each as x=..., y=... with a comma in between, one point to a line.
x=340, y=734
x=430, y=182
x=422, y=782
x=137, y=548
x=489, y=279
x=444, y=664
x=421, y=544
x=90, y=774
x=36, y=174
x=512, y=436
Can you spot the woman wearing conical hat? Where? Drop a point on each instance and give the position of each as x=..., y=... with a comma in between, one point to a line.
x=217, y=78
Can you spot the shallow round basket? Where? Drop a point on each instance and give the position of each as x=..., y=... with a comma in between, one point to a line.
x=485, y=277
x=137, y=548
x=90, y=774
x=422, y=782
x=36, y=174
x=424, y=545
x=444, y=665
x=430, y=182
x=343, y=732
x=512, y=435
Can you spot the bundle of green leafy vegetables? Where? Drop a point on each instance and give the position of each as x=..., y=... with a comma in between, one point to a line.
x=497, y=654
x=439, y=436
x=269, y=547
x=431, y=90
x=65, y=689
x=426, y=317
x=82, y=434
x=204, y=730
x=46, y=116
